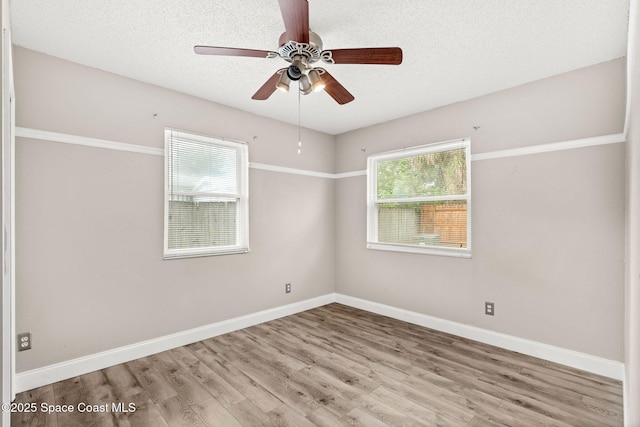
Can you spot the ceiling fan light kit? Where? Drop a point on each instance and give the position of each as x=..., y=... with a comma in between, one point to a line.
x=316, y=81
x=298, y=66
x=302, y=48
x=305, y=85
x=283, y=82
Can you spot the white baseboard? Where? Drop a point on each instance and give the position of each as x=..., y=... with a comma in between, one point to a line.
x=39, y=377
x=34, y=378
x=583, y=361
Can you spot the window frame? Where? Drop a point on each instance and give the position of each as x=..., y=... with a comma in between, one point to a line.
x=241, y=195
x=373, y=201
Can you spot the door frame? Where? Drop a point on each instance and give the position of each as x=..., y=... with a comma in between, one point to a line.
x=8, y=214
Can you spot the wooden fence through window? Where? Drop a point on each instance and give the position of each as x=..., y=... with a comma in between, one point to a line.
x=438, y=224
x=447, y=220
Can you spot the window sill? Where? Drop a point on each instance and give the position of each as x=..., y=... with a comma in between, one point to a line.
x=424, y=250
x=179, y=254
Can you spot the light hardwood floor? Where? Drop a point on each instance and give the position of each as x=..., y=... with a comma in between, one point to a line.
x=333, y=366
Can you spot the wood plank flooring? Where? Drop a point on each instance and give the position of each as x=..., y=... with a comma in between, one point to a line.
x=331, y=366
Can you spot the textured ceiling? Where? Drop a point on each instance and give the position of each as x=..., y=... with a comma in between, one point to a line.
x=453, y=49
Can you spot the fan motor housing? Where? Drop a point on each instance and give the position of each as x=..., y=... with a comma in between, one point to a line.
x=289, y=48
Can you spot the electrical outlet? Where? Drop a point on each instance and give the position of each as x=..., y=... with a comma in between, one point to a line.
x=287, y=288
x=24, y=341
x=489, y=308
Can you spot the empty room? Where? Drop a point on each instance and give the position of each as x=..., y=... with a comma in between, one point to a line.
x=320, y=213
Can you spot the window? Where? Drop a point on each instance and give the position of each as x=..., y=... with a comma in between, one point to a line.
x=206, y=196
x=419, y=200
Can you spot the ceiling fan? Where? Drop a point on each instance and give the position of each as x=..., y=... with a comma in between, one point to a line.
x=302, y=48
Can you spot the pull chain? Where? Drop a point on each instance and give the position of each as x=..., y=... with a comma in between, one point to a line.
x=299, y=139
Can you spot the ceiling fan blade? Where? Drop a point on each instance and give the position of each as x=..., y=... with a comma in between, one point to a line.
x=335, y=89
x=371, y=55
x=295, y=14
x=230, y=51
x=268, y=87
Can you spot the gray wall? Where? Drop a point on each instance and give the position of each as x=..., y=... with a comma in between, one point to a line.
x=632, y=277
x=548, y=229
x=90, y=221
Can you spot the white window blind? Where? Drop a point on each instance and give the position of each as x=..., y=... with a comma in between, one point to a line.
x=206, y=196
x=419, y=199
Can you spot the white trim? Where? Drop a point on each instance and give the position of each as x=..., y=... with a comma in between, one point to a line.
x=425, y=250
x=34, y=378
x=190, y=135
x=7, y=230
x=583, y=361
x=65, y=138
x=45, y=135
x=12, y=234
x=431, y=148
x=631, y=38
x=554, y=146
x=283, y=169
x=60, y=371
x=531, y=149
x=350, y=174
x=631, y=84
x=454, y=198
